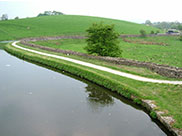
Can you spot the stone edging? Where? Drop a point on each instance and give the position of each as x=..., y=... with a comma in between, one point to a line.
x=167, y=121
x=164, y=70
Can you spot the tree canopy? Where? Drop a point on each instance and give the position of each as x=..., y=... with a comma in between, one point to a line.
x=103, y=40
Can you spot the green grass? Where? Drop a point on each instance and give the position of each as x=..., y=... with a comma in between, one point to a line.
x=2, y=45
x=168, y=55
x=167, y=97
x=61, y=25
x=65, y=44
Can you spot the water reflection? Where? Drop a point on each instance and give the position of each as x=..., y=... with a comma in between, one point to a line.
x=98, y=98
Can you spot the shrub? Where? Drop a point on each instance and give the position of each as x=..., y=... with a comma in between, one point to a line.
x=103, y=40
x=152, y=32
x=143, y=33
x=137, y=101
x=153, y=114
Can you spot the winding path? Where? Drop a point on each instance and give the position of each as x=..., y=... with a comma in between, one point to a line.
x=123, y=74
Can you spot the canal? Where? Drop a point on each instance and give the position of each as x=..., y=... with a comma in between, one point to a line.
x=36, y=101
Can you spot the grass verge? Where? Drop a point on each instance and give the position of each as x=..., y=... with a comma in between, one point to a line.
x=2, y=45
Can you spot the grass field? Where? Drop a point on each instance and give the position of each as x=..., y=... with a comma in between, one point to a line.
x=61, y=25
x=169, y=55
x=167, y=97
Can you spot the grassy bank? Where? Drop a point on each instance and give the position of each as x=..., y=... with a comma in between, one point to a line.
x=62, y=25
x=2, y=45
x=167, y=97
x=168, y=55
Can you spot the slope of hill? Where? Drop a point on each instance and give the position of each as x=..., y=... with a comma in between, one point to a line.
x=61, y=25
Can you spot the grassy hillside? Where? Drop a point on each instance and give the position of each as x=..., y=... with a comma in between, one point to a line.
x=61, y=25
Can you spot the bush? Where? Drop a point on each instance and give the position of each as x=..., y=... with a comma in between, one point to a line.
x=143, y=33
x=152, y=32
x=153, y=114
x=103, y=40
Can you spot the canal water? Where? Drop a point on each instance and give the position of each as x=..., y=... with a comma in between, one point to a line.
x=35, y=101
x=6, y=41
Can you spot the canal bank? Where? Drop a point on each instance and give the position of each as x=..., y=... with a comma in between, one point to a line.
x=101, y=79
x=37, y=101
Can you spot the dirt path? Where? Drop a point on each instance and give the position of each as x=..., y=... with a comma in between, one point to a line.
x=123, y=74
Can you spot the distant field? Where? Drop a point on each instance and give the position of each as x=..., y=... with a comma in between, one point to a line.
x=61, y=25
x=169, y=55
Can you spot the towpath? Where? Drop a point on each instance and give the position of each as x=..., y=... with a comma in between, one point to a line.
x=123, y=74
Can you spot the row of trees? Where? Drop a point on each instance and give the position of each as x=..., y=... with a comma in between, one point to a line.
x=50, y=13
x=165, y=25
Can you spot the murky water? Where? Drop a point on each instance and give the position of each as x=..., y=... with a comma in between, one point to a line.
x=35, y=101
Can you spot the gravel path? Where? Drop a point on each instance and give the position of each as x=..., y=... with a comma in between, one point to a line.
x=123, y=74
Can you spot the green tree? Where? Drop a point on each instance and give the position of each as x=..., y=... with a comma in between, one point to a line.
x=143, y=33
x=4, y=17
x=50, y=13
x=17, y=17
x=103, y=40
x=57, y=13
x=148, y=22
x=152, y=32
